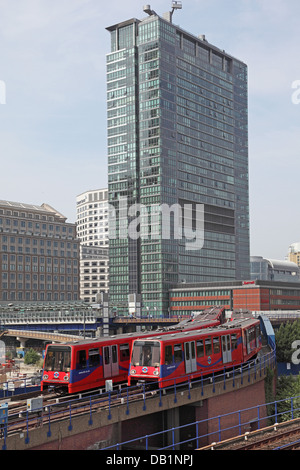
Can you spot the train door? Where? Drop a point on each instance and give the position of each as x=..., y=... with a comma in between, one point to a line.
x=226, y=349
x=190, y=357
x=258, y=339
x=110, y=360
x=248, y=342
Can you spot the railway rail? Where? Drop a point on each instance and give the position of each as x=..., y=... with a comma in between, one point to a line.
x=53, y=396
x=280, y=436
x=60, y=408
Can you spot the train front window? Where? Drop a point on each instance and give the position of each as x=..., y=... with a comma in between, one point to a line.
x=146, y=353
x=58, y=358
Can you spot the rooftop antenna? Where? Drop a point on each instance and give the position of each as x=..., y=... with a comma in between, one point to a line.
x=176, y=5
x=147, y=9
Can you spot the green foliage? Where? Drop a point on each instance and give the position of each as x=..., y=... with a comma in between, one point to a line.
x=9, y=355
x=269, y=393
x=284, y=337
x=31, y=357
x=288, y=386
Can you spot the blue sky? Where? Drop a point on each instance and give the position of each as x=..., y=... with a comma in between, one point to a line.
x=53, y=125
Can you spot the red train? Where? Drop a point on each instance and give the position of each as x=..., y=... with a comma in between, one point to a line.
x=87, y=364
x=192, y=353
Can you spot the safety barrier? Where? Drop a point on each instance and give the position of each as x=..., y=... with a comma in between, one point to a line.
x=291, y=411
x=15, y=387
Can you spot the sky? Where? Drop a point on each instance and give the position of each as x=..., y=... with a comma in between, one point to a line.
x=53, y=138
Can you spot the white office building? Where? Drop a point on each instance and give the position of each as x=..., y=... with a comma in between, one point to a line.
x=92, y=218
x=92, y=230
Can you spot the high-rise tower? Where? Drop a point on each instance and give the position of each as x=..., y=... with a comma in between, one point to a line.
x=177, y=136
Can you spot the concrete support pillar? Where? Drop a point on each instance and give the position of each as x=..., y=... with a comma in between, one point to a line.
x=22, y=342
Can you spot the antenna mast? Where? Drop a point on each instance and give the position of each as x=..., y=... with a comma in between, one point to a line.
x=176, y=5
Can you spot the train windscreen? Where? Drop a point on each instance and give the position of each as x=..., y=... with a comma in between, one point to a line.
x=58, y=358
x=146, y=353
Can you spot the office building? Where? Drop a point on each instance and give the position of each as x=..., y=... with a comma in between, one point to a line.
x=249, y=296
x=274, y=270
x=94, y=273
x=39, y=254
x=177, y=140
x=92, y=230
x=294, y=253
x=92, y=218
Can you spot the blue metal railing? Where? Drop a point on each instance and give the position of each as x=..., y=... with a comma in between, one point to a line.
x=219, y=431
x=13, y=387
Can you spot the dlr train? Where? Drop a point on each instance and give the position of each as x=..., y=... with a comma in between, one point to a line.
x=181, y=356
x=87, y=364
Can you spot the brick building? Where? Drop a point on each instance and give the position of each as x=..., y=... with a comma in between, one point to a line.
x=246, y=295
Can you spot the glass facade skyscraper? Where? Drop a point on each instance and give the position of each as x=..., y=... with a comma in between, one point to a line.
x=177, y=135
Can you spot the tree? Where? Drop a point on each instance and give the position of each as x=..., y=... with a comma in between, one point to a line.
x=284, y=338
x=288, y=386
x=31, y=357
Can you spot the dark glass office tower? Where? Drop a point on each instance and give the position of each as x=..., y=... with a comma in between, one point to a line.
x=177, y=136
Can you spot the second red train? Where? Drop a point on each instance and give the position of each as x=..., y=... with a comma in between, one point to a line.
x=183, y=356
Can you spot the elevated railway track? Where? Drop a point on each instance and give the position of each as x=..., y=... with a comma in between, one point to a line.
x=40, y=335
x=85, y=413
x=105, y=408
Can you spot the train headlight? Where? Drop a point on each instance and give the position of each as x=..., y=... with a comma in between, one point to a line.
x=66, y=377
x=133, y=371
x=45, y=377
x=155, y=372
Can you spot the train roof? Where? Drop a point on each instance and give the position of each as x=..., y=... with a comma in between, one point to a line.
x=202, y=316
x=104, y=339
x=226, y=327
x=122, y=337
x=202, y=319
